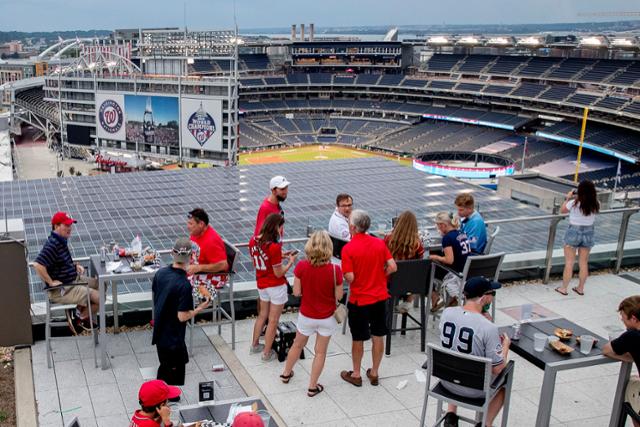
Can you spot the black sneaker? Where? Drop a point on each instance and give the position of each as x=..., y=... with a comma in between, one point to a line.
x=450, y=420
x=71, y=320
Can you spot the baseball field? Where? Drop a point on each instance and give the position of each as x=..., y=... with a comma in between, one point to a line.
x=308, y=153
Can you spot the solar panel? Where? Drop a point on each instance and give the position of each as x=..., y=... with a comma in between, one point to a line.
x=154, y=205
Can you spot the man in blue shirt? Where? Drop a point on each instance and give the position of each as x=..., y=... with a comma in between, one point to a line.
x=55, y=267
x=471, y=222
x=173, y=308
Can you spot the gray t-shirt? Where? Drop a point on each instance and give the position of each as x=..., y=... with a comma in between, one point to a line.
x=469, y=333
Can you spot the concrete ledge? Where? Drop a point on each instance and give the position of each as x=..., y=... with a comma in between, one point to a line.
x=244, y=379
x=26, y=411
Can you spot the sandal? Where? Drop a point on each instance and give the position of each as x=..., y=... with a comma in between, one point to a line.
x=561, y=291
x=286, y=378
x=346, y=375
x=373, y=379
x=577, y=291
x=315, y=391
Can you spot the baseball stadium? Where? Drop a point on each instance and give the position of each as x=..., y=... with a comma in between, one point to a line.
x=173, y=119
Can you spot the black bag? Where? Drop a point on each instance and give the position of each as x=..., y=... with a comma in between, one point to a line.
x=285, y=335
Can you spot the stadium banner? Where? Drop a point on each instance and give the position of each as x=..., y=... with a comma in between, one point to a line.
x=587, y=145
x=467, y=121
x=152, y=120
x=463, y=172
x=201, y=124
x=110, y=116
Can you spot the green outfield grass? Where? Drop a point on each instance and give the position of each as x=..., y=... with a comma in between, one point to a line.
x=306, y=154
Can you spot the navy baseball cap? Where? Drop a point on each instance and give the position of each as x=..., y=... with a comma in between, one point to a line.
x=478, y=286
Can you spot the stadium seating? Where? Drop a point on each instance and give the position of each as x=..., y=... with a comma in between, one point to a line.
x=583, y=99
x=505, y=65
x=255, y=62
x=602, y=70
x=443, y=62
x=498, y=89
x=557, y=93
x=569, y=68
x=538, y=66
x=469, y=87
x=529, y=90
x=475, y=63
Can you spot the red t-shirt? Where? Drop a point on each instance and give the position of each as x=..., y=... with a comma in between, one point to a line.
x=266, y=208
x=264, y=257
x=417, y=254
x=211, y=250
x=141, y=420
x=365, y=257
x=318, y=293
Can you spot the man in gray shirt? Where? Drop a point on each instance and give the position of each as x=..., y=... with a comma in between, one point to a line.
x=466, y=330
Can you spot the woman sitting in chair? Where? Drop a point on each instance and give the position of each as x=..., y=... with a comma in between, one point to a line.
x=456, y=249
x=404, y=243
x=319, y=283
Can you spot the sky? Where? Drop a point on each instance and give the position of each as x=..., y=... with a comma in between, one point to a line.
x=52, y=15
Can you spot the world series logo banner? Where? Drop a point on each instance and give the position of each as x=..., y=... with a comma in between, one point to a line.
x=111, y=116
x=202, y=124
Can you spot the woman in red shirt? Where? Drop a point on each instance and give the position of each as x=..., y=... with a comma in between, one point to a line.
x=265, y=250
x=319, y=283
x=404, y=243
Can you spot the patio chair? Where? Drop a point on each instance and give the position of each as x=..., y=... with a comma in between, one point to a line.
x=469, y=371
x=218, y=313
x=49, y=322
x=411, y=277
x=488, y=266
x=492, y=237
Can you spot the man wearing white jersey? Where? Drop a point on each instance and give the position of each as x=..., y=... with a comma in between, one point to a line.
x=339, y=221
x=466, y=330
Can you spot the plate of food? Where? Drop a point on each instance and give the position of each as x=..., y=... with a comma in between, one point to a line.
x=561, y=347
x=563, y=334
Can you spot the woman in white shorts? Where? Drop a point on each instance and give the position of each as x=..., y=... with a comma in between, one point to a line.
x=267, y=256
x=319, y=283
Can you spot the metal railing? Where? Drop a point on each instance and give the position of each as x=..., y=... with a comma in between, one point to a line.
x=554, y=220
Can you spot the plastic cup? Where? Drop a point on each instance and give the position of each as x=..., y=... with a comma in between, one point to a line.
x=586, y=343
x=265, y=415
x=539, y=341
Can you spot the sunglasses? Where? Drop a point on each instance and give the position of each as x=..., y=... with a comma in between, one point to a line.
x=182, y=252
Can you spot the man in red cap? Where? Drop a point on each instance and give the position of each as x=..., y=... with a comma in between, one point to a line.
x=247, y=419
x=154, y=410
x=56, y=268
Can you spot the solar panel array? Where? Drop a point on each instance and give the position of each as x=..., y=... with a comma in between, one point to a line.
x=154, y=205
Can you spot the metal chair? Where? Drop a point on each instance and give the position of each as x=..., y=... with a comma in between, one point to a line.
x=469, y=371
x=492, y=237
x=216, y=308
x=338, y=244
x=488, y=266
x=628, y=410
x=51, y=306
x=411, y=277
x=74, y=422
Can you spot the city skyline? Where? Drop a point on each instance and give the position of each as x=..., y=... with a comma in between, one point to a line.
x=26, y=15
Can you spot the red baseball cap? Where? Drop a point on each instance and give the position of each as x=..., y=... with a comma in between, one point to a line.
x=155, y=392
x=247, y=419
x=62, y=218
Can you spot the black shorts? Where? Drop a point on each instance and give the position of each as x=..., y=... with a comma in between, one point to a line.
x=367, y=320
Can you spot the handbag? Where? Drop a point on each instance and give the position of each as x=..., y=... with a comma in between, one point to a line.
x=341, y=311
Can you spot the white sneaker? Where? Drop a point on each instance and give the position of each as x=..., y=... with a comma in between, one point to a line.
x=404, y=307
x=255, y=349
x=268, y=357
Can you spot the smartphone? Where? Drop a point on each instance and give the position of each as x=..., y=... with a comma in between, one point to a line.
x=294, y=252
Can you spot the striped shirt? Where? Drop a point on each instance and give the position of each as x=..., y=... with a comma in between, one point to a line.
x=55, y=256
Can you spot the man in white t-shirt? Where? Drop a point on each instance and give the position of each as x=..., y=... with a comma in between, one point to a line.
x=339, y=222
x=466, y=330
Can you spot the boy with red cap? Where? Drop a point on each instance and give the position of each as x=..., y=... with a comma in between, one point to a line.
x=154, y=396
x=247, y=419
x=56, y=268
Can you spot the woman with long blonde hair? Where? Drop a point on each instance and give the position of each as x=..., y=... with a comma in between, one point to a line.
x=319, y=284
x=404, y=243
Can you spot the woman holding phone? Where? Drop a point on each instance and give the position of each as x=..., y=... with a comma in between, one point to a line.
x=319, y=284
x=582, y=207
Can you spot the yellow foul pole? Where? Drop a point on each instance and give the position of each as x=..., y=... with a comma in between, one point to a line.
x=584, y=127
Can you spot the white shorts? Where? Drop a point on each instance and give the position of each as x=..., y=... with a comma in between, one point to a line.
x=308, y=326
x=276, y=295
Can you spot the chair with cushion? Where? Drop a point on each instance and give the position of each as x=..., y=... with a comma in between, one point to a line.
x=55, y=307
x=488, y=266
x=412, y=277
x=469, y=371
x=220, y=316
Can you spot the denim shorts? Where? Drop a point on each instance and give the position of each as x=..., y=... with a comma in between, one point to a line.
x=579, y=236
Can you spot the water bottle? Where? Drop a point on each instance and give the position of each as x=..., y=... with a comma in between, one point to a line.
x=103, y=254
x=116, y=252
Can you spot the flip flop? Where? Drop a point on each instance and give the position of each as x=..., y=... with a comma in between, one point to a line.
x=286, y=378
x=315, y=391
x=575, y=289
x=560, y=291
